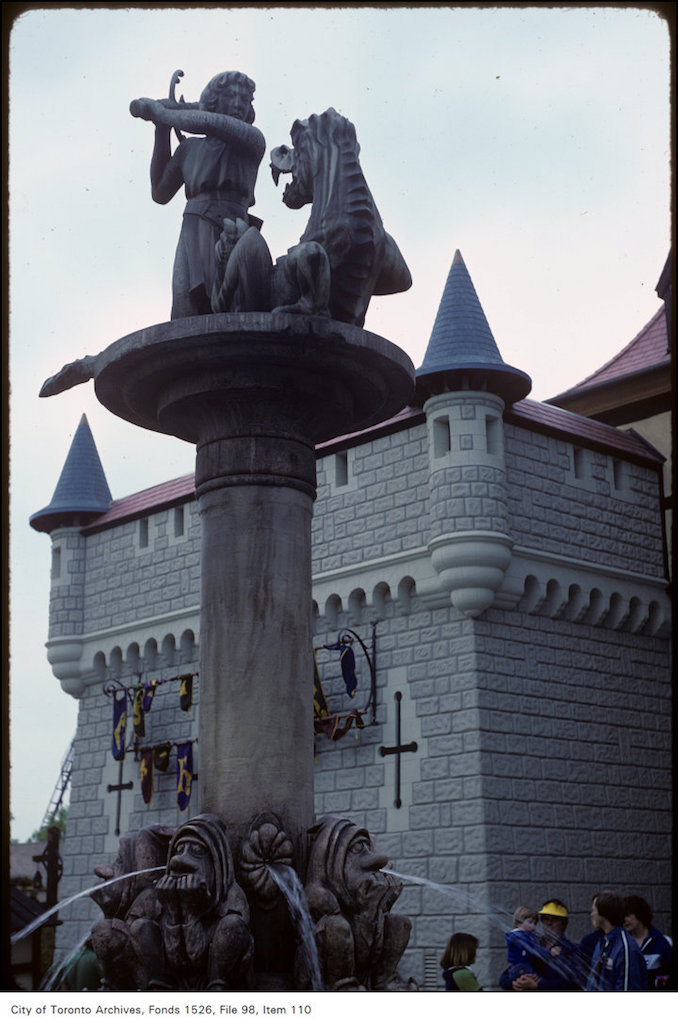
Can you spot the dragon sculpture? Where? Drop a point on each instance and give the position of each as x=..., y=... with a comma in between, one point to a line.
x=344, y=256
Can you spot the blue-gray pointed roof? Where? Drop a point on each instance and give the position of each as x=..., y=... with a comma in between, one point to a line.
x=82, y=492
x=462, y=352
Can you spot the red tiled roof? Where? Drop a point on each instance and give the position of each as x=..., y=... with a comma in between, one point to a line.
x=648, y=349
x=587, y=431
x=141, y=503
x=394, y=424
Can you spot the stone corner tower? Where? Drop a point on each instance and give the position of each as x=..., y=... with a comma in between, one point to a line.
x=81, y=495
x=465, y=386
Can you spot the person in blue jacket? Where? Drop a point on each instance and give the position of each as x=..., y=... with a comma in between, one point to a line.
x=652, y=943
x=525, y=956
x=587, y=946
x=567, y=971
x=617, y=964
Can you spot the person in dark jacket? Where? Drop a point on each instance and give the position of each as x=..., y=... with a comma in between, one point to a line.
x=525, y=955
x=617, y=964
x=588, y=944
x=652, y=943
x=566, y=972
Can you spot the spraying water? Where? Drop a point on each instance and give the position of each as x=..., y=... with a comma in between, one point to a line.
x=40, y=920
x=466, y=901
x=52, y=977
x=576, y=970
x=289, y=884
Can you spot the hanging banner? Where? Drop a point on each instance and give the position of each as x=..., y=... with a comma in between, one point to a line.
x=146, y=774
x=138, y=713
x=161, y=756
x=347, y=659
x=186, y=693
x=184, y=774
x=149, y=691
x=335, y=730
x=119, y=724
x=320, y=708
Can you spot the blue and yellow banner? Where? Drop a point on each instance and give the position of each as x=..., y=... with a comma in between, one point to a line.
x=347, y=659
x=138, y=713
x=119, y=724
x=149, y=691
x=184, y=774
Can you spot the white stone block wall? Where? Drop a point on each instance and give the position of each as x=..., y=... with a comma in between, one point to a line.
x=540, y=728
x=67, y=581
x=582, y=513
x=127, y=581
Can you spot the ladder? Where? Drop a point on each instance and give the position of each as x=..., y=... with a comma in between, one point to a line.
x=61, y=786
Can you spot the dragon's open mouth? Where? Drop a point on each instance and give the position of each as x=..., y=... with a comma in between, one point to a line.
x=283, y=161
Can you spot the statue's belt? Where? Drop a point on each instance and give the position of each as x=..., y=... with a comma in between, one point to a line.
x=199, y=203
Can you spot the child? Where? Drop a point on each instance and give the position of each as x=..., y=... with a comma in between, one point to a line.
x=459, y=954
x=524, y=951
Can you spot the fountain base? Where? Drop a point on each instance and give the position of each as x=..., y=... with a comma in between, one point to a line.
x=206, y=924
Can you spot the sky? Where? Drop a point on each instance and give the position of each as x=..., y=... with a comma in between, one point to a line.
x=535, y=140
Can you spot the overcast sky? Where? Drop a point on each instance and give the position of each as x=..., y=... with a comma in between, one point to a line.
x=534, y=140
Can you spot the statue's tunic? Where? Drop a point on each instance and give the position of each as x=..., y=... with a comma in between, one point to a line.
x=219, y=178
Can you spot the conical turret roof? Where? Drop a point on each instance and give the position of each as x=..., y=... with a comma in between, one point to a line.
x=82, y=492
x=462, y=352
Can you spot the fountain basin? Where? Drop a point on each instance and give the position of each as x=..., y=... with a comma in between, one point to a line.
x=207, y=376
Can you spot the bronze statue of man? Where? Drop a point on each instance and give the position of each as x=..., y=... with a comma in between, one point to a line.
x=218, y=170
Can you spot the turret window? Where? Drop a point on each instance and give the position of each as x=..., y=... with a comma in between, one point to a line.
x=442, y=442
x=338, y=471
x=579, y=462
x=619, y=475
x=341, y=469
x=588, y=470
x=56, y=562
x=493, y=430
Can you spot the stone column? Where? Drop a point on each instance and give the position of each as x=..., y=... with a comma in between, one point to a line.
x=255, y=393
x=255, y=495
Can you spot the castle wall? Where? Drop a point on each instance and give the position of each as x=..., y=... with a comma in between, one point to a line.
x=536, y=722
x=142, y=569
x=567, y=499
x=372, y=501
